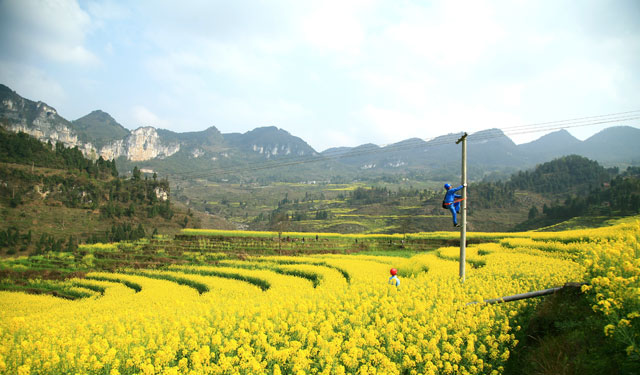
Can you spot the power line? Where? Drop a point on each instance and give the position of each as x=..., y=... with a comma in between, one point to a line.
x=574, y=120
x=417, y=143
x=562, y=126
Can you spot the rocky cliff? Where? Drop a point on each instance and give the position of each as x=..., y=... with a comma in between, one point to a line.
x=98, y=134
x=43, y=122
x=35, y=118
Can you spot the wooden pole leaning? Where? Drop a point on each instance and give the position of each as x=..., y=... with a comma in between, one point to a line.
x=538, y=293
x=463, y=219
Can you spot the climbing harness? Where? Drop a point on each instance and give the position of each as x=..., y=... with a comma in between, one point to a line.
x=444, y=205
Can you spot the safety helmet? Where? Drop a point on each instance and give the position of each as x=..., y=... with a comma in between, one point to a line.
x=394, y=271
x=447, y=186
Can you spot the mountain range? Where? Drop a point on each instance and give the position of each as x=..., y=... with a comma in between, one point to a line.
x=211, y=154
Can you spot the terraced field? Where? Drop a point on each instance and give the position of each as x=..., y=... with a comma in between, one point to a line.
x=177, y=310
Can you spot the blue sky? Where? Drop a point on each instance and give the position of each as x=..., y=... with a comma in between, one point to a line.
x=335, y=73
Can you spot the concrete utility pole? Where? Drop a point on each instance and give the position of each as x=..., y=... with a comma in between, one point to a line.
x=463, y=232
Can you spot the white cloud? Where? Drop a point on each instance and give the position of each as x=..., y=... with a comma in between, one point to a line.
x=108, y=49
x=32, y=83
x=253, y=113
x=107, y=10
x=334, y=26
x=144, y=117
x=55, y=30
x=344, y=137
x=445, y=33
x=389, y=124
x=181, y=71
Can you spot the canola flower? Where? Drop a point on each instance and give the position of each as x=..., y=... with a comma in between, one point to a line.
x=355, y=325
x=613, y=268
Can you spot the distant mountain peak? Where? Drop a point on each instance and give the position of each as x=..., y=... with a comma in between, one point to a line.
x=491, y=137
x=99, y=128
x=6, y=90
x=488, y=135
x=270, y=141
x=410, y=142
x=212, y=129
x=561, y=134
x=268, y=127
x=96, y=115
x=616, y=131
x=558, y=143
x=612, y=144
x=263, y=130
x=100, y=113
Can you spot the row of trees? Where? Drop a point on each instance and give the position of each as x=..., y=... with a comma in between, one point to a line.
x=125, y=232
x=48, y=243
x=492, y=194
x=24, y=149
x=622, y=197
x=11, y=237
x=362, y=196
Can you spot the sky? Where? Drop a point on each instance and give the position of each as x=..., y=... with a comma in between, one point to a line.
x=335, y=73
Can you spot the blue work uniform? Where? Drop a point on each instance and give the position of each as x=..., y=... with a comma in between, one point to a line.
x=449, y=200
x=393, y=280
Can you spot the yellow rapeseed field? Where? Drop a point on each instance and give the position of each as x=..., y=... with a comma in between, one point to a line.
x=321, y=314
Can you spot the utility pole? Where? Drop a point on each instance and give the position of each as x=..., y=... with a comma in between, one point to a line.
x=463, y=232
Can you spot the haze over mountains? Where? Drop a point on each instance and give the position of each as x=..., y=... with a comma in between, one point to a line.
x=98, y=134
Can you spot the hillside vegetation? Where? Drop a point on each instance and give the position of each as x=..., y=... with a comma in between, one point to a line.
x=582, y=189
x=52, y=198
x=548, y=194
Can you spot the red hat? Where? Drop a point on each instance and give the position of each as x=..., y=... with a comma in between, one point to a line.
x=394, y=271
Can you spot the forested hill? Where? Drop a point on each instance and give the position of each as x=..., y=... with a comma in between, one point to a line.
x=559, y=190
x=573, y=173
x=52, y=198
x=21, y=148
x=578, y=187
x=556, y=180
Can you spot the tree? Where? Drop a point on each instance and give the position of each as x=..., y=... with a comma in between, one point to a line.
x=140, y=232
x=136, y=174
x=72, y=245
x=114, y=170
